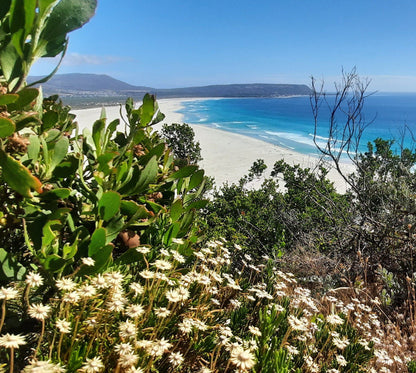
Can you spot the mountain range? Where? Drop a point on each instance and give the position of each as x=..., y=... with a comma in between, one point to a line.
x=103, y=86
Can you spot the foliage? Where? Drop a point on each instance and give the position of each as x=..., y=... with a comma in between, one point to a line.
x=31, y=29
x=282, y=216
x=181, y=139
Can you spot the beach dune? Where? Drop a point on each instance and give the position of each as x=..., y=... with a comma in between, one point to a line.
x=226, y=156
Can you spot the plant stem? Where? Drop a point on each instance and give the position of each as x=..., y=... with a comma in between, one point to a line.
x=11, y=360
x=3, y=314
x=40, y=339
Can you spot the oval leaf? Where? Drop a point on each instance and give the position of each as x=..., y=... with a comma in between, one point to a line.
x=7, y=127
x=183, y=172
x=109, y=205
x=8, y=98
x=18, y=176
x=97, y=241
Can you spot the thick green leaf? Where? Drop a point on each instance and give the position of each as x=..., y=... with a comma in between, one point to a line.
x=52, y=135
x=49, y=120
x=109, y=205
x=147, y=176
x=197, y=205
x=171, y=233
x=69, y=251
x=186, y=223
x=56, y=194
x=7, y=127
x=156, y=151
x=98, y=134
x=54, y=263
x=26, y=120
x=112, y=127
x=133, y=209
x=33, y=148
x=18, y=176
x=114, y=227
x=26, y=96
x=7, y=99
x=11, y=64
x=66, y=16
x=98, y=240
x=147, y=110
x=176, y=210
x=196, y=179
x=59, y=151
x=11, y=269
x=183, y=172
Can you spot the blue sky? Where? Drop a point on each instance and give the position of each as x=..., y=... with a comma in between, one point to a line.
x=167, y=43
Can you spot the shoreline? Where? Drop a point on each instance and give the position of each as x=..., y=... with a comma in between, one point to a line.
x=227, y=156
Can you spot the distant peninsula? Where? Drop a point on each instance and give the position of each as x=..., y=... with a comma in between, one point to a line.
x=80, y=90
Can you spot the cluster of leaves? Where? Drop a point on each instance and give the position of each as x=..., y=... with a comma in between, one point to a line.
x=287, y=214
x=181, y=140
x=32, y=29
x=99, y=193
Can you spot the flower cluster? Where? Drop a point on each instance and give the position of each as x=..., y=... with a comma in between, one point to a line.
x=172, y=315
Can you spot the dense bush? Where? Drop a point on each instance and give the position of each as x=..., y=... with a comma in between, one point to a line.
x=181, y=139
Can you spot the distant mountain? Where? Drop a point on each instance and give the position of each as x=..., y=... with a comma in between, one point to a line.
x=237, y=90
x=105, y=87
x=86, y=83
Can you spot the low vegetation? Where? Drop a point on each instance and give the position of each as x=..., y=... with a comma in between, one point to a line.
x=111, y=260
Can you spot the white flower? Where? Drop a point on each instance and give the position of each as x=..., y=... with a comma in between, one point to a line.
x=66, y=284
x=176, y=359
x=71, y=297
x=39, y=311
x=178, y=257
x=114, y=278
x=100, y=282
x=147, y=274
x=123, y=348
x=93, y=365
x=87, y=291
x=298, y=324
x=341, y=343
x=137, y=288
x=178, y=241
x=186, y=325
x=143, y=249
x=160, y=347
x=341, y=360
x=243, y=359
x=127, y=329
x=63, y=326
x=254, y=330
x=37, y=366
x=12, y=340
x=88, y=261
x=8, y=293
x=334, y=320
x=162, y=312
x=128, y=360
x=134, y=310
x=34, y=279
x=163, y=265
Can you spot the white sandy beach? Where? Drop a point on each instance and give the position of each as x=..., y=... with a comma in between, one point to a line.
x=226, y=156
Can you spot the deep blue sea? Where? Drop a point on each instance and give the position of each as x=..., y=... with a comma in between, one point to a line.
x=289, y=122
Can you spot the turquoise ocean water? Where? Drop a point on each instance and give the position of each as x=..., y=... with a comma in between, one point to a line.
x=288, y=122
